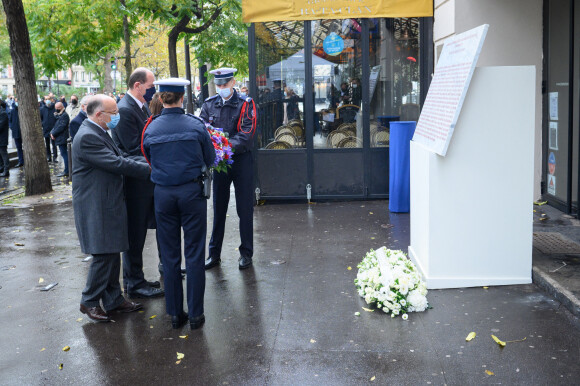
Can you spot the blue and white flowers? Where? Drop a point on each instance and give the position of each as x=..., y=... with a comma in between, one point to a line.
x=388, y=280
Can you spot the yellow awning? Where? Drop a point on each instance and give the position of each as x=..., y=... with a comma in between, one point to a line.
x=285, y=10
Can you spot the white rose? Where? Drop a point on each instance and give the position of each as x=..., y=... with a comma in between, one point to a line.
x=417, y=301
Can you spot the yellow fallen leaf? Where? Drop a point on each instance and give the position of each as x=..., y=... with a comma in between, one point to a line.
x=372, y=238
x=184, y=336
x=312, y=341
x=501, y=343
x=150, y=326
x=42, y=349
x=470, y=336
x=368, y=309
x=371, y=213
x=152, y=316
x=180, y=355
x=66, y=348
x=349, y=268
x=41, y=280
x=540, y=203
x=51, y=197
x=514, y=341
x=178, y=362
x=60, y=366
x=79, y=319
x=489, y=372
x=373, y=378
x=485, y=287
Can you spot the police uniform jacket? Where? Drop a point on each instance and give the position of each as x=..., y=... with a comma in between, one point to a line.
x=60, y=130
x=15, y=122
x=225, y=115
x=177, y=146
x=98, y=199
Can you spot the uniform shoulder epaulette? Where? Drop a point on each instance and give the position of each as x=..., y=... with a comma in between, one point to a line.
x=211, y=97
x=196, y=117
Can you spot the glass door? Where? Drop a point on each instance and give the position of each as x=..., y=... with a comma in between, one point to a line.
x=337, y=70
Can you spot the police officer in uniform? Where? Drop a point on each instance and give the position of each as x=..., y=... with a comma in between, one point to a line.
x=237, y=117
x=177, y=145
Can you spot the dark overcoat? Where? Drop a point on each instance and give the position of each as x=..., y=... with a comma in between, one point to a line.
x=60, y=130
x=98, y=197
x=3, y=127
x=15, y=123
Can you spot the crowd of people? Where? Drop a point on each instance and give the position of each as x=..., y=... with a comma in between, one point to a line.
x=136, y=165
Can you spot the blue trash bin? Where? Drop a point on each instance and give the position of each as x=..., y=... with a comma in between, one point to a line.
x=400, y=165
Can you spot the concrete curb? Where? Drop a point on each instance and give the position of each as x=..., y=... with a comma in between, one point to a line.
x=567, y=298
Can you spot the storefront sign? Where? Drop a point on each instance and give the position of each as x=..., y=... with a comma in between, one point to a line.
x=282, y=10
x=552, y=164
x=333, y=44
x=551, y=185
x=448, y=89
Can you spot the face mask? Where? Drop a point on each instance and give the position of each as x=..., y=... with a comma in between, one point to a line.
x=242, y=94
x=354, y=85
x=224, y=92
x=74, y=102
x=16, y=104
x=48, y=103
x=149, y=94
x=114, y=120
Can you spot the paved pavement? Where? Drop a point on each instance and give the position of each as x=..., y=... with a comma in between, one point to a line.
x=289, y=320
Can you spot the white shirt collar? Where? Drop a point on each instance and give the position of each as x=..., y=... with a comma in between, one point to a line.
x=90, y=120
x=139, y=103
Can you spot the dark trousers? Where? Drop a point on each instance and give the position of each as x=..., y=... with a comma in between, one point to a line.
x=177, y=207
x=242, y=175
x=4, y=159
x=48, y=143
x=18, y=142
x=64, y=154
x=103, y=282
x=139, y=203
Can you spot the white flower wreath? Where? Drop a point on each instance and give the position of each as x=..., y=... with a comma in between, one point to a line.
x=388, y=280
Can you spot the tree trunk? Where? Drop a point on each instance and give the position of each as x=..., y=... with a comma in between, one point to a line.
x=172, y=50
x=37, y=175
x=127, y=39
x=108, y=79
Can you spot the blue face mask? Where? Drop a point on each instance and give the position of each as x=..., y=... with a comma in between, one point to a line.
x=149, y=94
x=48, y=103
x=242, y=95
x=224, y=92
x=114, y=120
x=16, y=104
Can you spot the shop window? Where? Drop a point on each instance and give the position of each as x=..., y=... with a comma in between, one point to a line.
x=394, y=75
x=280, y=77
x=336, y=72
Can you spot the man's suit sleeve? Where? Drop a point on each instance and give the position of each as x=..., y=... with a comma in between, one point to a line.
x=128, y=131
x=96, y=153
x=74, y=127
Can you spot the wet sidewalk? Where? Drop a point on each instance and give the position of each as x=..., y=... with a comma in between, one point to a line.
x=289, y=320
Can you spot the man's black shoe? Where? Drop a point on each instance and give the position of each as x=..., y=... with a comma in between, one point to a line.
x=146, y=292
x=212, y=262
x=154, y=284
x=178, y=320
x=5, y=174
x=245, y=262
x=63, y=174
x=18, y=165
x=196, y=322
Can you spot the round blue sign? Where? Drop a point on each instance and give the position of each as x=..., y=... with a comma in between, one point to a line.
x=333, y=44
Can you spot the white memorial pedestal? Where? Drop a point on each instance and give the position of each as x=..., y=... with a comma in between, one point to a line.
x=471, y=211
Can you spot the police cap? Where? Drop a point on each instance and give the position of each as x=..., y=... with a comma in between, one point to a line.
x=222, y=75
x=172, y=84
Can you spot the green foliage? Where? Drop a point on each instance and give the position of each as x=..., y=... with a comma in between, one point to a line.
x=70, y=32
x=225, y=43
x=5, y=57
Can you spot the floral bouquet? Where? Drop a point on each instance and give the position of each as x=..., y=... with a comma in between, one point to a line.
x=223, y=149
x=388, y=280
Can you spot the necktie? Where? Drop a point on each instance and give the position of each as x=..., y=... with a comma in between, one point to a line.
x=145, y=110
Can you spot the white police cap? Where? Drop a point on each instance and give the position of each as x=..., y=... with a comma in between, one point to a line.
x=223, y=75
x=172, y=84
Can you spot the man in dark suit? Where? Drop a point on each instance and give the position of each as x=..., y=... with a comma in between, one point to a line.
x=59, y=134
x=139, y=193
x=77, y=121
x=99, y=208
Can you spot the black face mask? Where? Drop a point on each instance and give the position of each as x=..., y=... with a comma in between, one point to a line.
x=74, y=102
